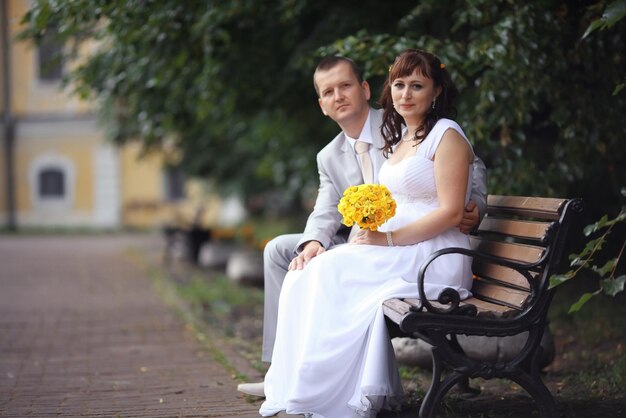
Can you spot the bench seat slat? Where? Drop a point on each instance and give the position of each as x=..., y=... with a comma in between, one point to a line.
x=491, y=310
x=396, y=309
x=519, y=229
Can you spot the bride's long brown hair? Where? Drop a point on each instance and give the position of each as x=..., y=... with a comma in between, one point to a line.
x=431, y=67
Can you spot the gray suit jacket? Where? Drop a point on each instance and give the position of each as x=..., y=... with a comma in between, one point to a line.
x=339, y=169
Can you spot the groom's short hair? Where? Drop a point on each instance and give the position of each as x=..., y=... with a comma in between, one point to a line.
x=330, y=62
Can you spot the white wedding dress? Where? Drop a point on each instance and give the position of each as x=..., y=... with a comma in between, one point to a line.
x=333, y=357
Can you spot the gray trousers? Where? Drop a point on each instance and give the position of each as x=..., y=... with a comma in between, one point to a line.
x=277, y=255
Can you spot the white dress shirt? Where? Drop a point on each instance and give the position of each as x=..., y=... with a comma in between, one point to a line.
x=366, y=136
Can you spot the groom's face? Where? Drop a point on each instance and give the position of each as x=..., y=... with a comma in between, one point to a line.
x=341, y=96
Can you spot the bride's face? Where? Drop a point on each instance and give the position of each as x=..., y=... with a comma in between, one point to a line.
x=413, y=97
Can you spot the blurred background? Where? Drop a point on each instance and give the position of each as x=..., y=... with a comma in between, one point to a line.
x=202, y=115
x=133, y=114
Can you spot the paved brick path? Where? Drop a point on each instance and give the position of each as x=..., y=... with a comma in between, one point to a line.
x=83, y=333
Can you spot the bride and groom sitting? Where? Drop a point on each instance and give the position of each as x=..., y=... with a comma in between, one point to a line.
x=323, y=332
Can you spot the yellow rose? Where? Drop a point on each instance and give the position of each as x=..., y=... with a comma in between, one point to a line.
x=367, y=205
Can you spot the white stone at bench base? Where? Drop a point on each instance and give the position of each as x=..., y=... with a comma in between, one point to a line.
x=412, y=352
x=245, y=267
x=215, y=254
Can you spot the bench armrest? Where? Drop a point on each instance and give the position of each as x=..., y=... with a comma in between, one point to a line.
x=450, y=296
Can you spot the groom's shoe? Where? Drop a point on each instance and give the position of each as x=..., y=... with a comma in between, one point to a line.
x=254, y=389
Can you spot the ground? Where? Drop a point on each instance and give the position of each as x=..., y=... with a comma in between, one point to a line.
x=586, y=377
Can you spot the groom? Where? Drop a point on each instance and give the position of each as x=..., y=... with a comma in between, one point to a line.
x=351, y=158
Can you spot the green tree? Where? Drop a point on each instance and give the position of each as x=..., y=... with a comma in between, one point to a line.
x=229, y=83
x=221, y=81
x=613, y=13
x=536, y=98
x=610, y=282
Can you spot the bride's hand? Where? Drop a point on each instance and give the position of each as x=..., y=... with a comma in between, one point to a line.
x=367, y=237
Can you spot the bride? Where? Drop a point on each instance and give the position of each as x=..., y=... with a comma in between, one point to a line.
x=333, y=357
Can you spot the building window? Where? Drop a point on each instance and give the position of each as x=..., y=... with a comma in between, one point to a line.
x=51, y=183
x=50, y=58
x=52, y=179
x=174, y=184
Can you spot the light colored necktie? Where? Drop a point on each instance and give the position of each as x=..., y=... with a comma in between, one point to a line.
x=362, y=150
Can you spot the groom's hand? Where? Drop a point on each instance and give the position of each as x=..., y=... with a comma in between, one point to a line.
x=310, y=250
x=470, y=218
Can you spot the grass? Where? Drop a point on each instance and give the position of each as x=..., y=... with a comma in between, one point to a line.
x=168, y=291
x=219, y=297
x=591, y=344
x=232, y=310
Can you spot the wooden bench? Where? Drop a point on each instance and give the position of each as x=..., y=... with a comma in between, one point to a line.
x=515, y=251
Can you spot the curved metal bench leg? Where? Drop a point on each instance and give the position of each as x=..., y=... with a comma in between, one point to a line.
x=427, y=410
x=532, y=383
x=529, y=376
x=540, y=393
x=438, y=388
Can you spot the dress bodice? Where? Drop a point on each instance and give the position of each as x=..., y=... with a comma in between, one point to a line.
x=412, y=180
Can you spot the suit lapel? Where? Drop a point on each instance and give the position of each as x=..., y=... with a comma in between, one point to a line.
x=349, y=164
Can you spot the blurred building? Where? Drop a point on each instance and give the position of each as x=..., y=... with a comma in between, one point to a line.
x=56, y=166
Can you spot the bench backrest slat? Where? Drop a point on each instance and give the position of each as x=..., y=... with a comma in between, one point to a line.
x=532, y=207
x=516, y=228
x=531, y=230
x=501, y=274
x=519, y=252
x=500, y=294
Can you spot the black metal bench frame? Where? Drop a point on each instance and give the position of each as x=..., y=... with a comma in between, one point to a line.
x=439, y=322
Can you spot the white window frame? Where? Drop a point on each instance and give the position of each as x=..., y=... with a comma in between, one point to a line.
x=57, y=162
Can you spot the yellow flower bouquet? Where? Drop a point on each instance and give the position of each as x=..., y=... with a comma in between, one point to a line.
x=367, y=205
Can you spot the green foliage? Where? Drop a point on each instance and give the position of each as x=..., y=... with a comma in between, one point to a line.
x=534, y=95
x=223, y=82
x=609, y=283
x=220, y=296
x=229, y=83
x=613, y=13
